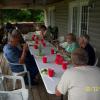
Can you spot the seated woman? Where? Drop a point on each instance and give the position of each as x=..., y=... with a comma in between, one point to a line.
x=15, y=54
x=84, y=43
x=41, y=31
x=70, y=45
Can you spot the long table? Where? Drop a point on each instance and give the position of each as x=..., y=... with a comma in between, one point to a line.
x=50, y=83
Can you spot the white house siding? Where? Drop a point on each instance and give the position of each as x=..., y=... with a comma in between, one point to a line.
x=61, y=20
x=61, y=16
x=94, y=26
x=46, y=17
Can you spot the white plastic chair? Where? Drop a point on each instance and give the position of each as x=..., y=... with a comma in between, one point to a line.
x=96, y=62
x=20, y=73
x=61, y=39
x=28, y=36
x=19, y=94
x=1, y=61
x=0, y=69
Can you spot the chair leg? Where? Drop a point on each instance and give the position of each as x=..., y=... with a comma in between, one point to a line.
x=29, y=79
x=14, y=84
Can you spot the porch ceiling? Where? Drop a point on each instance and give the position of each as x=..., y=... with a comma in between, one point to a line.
x=25, y=3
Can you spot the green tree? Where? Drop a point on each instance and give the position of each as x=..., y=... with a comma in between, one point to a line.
x=16, y=15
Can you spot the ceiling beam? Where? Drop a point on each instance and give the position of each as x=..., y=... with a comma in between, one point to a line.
x=16, y=4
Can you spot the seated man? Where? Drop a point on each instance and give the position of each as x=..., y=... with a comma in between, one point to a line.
x=84, y=43
x=22, y=56
x=82, y=82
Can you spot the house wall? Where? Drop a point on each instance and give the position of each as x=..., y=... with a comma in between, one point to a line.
x=94, y=27
x=61, y=16
x=61, y=20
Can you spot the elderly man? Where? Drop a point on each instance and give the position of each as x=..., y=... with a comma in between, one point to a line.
x=16, y=54
x=82, y=82
x=84, y=43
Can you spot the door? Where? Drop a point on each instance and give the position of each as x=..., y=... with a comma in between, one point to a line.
x=74, y=18
x=51, y=16
x=78, y=17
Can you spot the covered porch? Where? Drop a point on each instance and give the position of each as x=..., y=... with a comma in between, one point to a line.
x=78, y=17
x=70, y=16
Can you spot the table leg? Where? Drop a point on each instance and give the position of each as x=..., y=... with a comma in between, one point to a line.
x=61, y=97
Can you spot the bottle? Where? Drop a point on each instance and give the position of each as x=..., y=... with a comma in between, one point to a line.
x=40, y=49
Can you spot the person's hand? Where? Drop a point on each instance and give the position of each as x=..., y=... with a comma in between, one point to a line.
x=25, y=47
x=67, y=53
x=55, y=43
x=63, y=51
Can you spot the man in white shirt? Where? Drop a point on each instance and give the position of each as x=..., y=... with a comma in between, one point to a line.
x=82, y=82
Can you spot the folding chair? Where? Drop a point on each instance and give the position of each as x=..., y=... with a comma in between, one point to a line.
x=19, y=73
x=19, y=94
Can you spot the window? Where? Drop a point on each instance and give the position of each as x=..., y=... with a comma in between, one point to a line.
x=78, y=18
x=75, y=22
x=84, y=20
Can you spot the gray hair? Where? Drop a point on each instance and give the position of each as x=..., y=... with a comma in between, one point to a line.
x=85, y=37
x=79, y=57
x=14, y=34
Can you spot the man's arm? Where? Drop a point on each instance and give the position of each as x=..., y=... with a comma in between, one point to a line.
x=63, y=85
x=57, y=92
x=66, y=53
x=22, y=58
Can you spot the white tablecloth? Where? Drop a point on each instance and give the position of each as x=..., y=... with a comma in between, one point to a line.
x=50, y=83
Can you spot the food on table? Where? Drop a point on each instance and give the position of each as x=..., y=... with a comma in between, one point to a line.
x=44, y=71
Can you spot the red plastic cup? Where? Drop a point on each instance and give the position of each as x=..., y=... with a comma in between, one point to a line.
x=52, y=50
x=42, y=40
x=35, y=47
x=44, y=59
x=37, y=38
x=33, y=37
x=56, y=61
x=50, y=72
x=58, y=56
x=44, y=44
x=64, y=65
x=36, y=42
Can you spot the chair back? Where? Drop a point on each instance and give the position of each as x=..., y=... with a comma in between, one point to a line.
x=4, y=55
x=15, y=64
x=19, y=94
x=61, y=39
x=96, y=61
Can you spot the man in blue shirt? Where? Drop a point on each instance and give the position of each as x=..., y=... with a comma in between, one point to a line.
x=16, y=54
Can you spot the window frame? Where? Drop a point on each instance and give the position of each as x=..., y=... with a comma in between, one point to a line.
x=79, y=4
